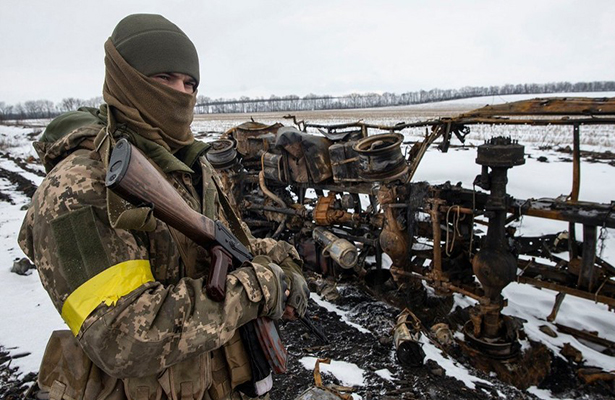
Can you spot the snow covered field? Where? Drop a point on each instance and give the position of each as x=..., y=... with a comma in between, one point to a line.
x=28, y=316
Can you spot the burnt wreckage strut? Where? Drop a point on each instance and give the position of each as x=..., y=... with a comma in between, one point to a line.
x=344, y=198
x=494, y=265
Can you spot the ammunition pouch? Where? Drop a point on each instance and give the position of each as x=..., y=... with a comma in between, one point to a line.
x=67, y=373
x=233, y=368
x=218, y=373
x=230, y=367
x=187, y=380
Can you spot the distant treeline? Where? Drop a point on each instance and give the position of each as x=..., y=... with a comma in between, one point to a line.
x=206, y=105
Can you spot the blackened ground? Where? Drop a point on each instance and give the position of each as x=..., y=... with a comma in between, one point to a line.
x=13, y=385
x=371, y=352
x=375, y=351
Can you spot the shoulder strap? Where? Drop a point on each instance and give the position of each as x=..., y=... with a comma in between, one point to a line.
x=233, y=219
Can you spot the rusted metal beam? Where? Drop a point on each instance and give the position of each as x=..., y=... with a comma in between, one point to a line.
x=588, y=263
x=589, y=336
x=564, y=289
x=520, y=121
x=434, y=211
x=561, y=289
x=576, y=164
x=559, y=298
x=574, y=194
x=442, y=284
x=586, y=213
x=470, y=120
x=550, y=106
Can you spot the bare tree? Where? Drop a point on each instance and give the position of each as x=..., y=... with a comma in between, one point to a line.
x=70, y=104
x=5, y=110
x=19, y=111
x=93, y=102
x=48, y=109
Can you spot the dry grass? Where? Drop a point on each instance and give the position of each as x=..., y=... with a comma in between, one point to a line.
x=370, y=114
x=6, y=143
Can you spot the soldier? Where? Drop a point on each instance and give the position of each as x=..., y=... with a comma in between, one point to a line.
x=130, y=288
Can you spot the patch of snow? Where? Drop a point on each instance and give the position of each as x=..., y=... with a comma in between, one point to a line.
x=348, y=374
x=452, y=367
x=335, y=309
x=461, y=301
x=544, y=394
x=385, y=374
x=534, y=305
x=28, y=316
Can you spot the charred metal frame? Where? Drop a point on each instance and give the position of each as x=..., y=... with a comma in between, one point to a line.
x=392, y=224
x=573, y=112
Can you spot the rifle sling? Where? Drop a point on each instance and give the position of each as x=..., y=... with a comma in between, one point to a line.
x=232, y=218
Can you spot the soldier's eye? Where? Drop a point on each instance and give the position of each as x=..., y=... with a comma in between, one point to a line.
x=191, y=85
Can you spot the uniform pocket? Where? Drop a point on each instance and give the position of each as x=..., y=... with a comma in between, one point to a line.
x=146, y=388
x=68, y=374
x=188, y=379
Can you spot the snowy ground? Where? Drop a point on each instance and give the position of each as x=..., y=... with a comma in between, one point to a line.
x=28, y=316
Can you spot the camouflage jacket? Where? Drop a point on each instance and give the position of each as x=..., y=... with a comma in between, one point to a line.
x=135, y=300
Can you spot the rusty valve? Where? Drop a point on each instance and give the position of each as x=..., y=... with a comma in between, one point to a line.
x=325, y=212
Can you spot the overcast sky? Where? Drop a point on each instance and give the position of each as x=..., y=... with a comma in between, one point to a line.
x=53, y=49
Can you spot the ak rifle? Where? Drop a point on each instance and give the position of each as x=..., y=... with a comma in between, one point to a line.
x=135, y=179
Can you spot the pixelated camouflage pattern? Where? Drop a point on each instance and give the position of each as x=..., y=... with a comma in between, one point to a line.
x=277, y=250
x=161, y=323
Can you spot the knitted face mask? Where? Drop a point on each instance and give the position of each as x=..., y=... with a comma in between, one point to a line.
x=152, y=44
x=151, y=109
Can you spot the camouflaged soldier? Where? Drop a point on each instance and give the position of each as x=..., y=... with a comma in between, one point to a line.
x=130, y=288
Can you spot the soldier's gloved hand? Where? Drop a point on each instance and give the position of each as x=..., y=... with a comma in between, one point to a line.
x=278, y=300
x=299, y=292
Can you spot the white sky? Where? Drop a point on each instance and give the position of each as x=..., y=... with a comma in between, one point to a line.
x=54, y=49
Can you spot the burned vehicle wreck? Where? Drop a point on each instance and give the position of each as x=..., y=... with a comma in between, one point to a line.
x=345, y=196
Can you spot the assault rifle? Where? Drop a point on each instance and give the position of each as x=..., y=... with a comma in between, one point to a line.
x=132, y=177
